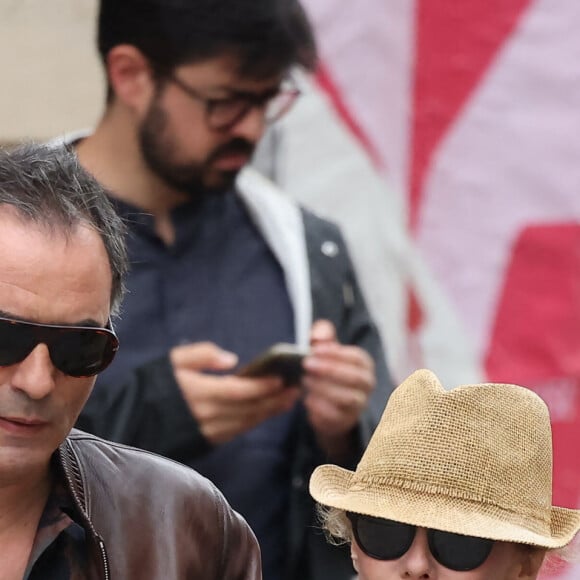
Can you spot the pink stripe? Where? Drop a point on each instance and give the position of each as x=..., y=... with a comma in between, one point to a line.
x=456, y=42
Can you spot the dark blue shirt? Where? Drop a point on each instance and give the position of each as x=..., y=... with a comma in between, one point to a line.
x=59, y=551
x=220, y=282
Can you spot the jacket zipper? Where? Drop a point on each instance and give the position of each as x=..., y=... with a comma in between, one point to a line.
x=104, y=558
x=102, y=550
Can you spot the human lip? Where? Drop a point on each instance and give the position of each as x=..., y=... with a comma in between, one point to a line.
x=22, y=425
x=232, y=161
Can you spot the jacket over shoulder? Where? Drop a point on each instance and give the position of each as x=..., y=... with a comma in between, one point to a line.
x=150, y=517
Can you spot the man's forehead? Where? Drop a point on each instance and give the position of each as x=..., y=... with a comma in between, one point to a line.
x=48, y=275
x=51, y=226
x=24, y=235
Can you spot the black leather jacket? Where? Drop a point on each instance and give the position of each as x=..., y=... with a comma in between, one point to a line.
x=149, y=518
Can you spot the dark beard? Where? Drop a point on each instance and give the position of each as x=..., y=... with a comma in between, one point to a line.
x=190, y=179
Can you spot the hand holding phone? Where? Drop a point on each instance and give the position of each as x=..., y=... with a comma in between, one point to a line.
x=225, y=405
x=282, y=359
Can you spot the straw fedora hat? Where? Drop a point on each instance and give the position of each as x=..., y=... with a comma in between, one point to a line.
x=476, y=460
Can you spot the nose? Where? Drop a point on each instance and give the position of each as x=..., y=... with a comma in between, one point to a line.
x=252, y=125
x=35, y=375
x=417, y=563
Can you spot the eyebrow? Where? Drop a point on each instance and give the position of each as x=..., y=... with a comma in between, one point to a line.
x=87, y=322
x=230, y=92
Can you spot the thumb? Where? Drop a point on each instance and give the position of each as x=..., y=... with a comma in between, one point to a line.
x=322, y=331
x=200, y=356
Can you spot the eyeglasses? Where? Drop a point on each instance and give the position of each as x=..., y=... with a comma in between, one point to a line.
x=223, y=114
x=384, y=539
x=78, y=351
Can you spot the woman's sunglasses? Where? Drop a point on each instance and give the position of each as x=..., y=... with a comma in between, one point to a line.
x=78, y=351
x=384, y=539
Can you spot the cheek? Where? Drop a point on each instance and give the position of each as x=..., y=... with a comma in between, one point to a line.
x=370, y=569
x=73, y=395
x=186, y=134
x=504, y=563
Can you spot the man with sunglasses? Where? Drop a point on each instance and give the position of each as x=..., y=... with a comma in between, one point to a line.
x=454, y=485
x=72, y=506
x=223, y=266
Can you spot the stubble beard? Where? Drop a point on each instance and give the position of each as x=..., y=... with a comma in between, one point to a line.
x=193, y=179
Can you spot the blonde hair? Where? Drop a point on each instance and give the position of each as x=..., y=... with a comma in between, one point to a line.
x=335, y=524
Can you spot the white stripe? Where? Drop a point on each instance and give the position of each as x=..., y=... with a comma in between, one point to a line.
x=369, y=47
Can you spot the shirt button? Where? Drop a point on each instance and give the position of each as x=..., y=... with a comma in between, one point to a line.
x=329, y=248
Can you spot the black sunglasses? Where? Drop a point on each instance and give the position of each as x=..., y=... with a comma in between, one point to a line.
x=223, y=113
x=78, y=351
x=384, y=539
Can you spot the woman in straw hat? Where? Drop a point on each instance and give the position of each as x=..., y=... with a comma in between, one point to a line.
x=454, y=485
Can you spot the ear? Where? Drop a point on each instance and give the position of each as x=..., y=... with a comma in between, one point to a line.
x=130, y=76
x=531, y=562
x=354, y=557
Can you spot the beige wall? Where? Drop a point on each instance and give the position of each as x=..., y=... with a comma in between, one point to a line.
x=51, y=74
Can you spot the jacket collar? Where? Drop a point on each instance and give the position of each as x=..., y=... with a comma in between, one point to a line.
x=74, y=483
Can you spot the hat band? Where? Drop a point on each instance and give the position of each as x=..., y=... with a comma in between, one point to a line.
x=539, y=512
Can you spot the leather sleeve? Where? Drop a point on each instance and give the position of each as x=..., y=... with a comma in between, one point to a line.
x=148, y=411
x=241, y=552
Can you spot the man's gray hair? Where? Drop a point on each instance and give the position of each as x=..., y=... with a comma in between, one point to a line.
x=46, y=185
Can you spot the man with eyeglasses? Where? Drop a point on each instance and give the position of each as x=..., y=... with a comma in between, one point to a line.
x=223, y=266
x=454, y=485
x=73, y=506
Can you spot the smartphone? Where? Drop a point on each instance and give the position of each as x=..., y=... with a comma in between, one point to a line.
x=281, y=359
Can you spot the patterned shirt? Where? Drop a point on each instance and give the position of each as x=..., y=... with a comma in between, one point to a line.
x=59, y=551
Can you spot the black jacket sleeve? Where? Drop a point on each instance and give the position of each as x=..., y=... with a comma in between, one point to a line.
x=148, y=411
x=337, y=296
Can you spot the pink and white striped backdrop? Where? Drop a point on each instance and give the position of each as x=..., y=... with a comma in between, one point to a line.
x=472, y=109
